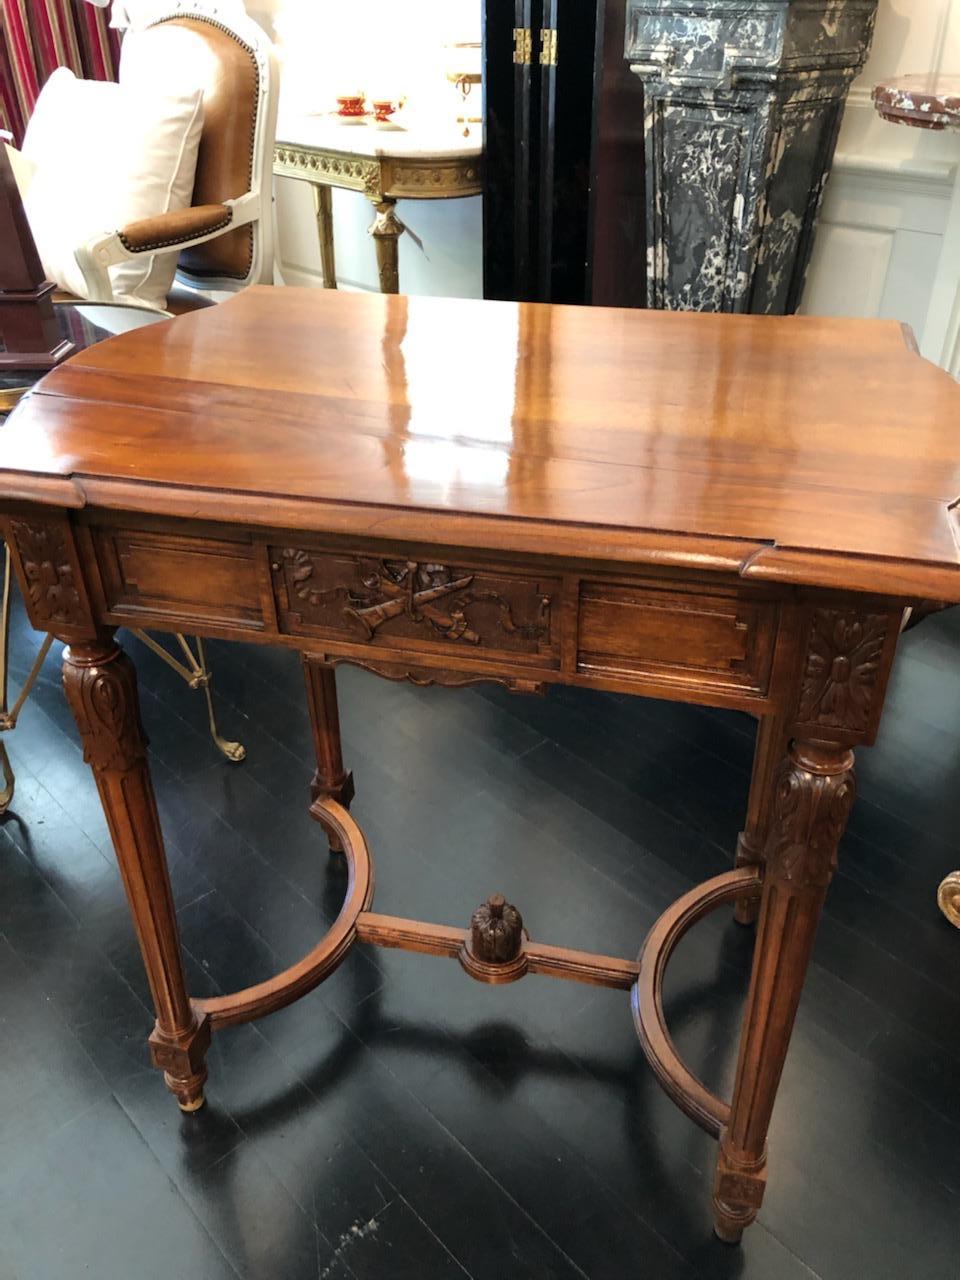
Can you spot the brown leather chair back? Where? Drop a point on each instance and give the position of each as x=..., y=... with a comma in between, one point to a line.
x=226, y=69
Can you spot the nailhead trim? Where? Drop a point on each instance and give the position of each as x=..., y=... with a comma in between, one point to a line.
x=251, y=53
x=163, y=244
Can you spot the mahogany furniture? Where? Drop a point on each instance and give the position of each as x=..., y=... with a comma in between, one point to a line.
x=732, y=511
x=386, y=166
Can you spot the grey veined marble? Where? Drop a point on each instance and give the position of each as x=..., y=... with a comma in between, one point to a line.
x=743, y=103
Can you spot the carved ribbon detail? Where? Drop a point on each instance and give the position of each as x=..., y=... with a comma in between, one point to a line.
x=418, y=591
x=48, y=570
x=426, y=593
x=843, y=665
x=300, y=571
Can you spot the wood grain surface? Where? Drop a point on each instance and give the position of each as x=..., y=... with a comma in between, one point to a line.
x=798, y=449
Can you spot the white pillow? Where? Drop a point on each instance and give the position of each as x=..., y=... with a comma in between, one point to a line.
x=105, y=155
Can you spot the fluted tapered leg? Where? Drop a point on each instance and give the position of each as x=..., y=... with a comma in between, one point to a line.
x=767, y=760
x=101, y=687
x=330, y=780
x=814, y=791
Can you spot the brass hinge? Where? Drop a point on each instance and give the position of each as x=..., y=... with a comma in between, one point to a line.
x=523, y=45
x=548, y=47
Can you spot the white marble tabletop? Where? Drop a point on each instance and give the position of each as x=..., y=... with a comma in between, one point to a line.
x=408, y=139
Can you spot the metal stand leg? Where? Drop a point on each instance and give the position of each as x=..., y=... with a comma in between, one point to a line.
x=8, y=718
x=386, y=230
x=198, y=676
x=323, y=208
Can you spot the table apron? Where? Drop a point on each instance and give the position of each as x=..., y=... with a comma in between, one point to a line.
x=436, y=615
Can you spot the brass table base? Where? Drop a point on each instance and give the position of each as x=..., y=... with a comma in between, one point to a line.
x=383, y=180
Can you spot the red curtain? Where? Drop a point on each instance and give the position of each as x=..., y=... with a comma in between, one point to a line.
x=36, y=37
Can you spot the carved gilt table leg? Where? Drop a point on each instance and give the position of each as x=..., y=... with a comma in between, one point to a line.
x=331, y=781
x=101, y=687
x=813, y=795
x=386, y=230
x=323, y=208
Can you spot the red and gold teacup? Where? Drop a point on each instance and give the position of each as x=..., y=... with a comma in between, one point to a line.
x=350, y=104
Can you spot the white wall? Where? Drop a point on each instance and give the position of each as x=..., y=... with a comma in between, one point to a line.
x=450, y=264
x=394, y=49
x=881, y=246
x=880, y=250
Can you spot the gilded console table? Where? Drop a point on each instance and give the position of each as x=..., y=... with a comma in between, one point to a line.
x=386, y=166
x=732, y=511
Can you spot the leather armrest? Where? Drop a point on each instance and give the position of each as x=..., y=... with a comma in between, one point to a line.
x=166, y=229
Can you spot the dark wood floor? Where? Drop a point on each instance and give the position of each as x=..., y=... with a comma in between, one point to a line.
x=405, y=1122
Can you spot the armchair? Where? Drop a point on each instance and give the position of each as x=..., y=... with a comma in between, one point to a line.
x=224, y=240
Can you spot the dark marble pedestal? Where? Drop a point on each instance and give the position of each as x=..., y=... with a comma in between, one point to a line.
x=743, y=104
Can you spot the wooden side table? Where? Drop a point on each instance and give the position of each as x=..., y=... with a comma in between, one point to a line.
x=732, y=511
x=386, y=166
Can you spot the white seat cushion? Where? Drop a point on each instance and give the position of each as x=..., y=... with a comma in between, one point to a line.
x=107, y=154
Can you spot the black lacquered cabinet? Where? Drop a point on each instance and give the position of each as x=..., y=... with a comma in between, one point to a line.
x=563, y=211
x=668, y=153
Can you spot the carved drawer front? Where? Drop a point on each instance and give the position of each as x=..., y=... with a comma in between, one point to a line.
x=708, y=637
x=152, y=576
x=405, y=604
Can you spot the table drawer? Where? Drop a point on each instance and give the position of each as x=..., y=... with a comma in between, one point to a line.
x=152, y=577
x=708, y=636
x=467, y=608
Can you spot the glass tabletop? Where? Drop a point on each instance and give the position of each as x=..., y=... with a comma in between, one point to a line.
x=83, y=324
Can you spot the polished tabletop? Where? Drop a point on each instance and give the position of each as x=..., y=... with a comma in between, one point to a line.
x=792, y=449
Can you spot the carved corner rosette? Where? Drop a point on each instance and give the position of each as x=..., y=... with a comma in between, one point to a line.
x=45, y=553
x=101, y=687
x=815, y=791
x=436, y=595
x=841, y=684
